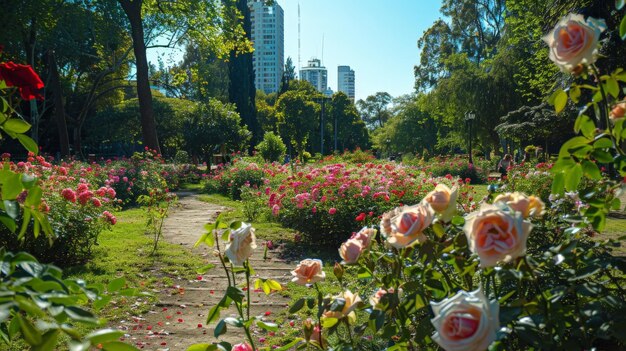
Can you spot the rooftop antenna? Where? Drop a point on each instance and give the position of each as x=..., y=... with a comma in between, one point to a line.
x=299, y=61
x=322, y=49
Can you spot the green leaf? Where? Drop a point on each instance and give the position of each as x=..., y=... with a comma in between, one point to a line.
x=201, y=240
x=49, y=341
x=329, y=322
x=267, y=326
x=297, y=306
x=559, y=100
x=290, y=345
x=12, y=208
x=116, y=284
x=28, y=143
x=214, y=314
x=104, y=335
x=80, y=315
x=438, y=229
x=585, y=124
x=204, y=269
x=28, y=180
x=612, y=87
x=79, y=345
x=220, y=329
x=622, y=28
x=458, y=221
x=235, y=294
x=8, y=222
x=558, y=184
x=602, y=156
x=573, y=177
x=16, y=125
x=574, y=93
x=603, y=143
x=591, y=170
x=619, y=4
x=11, y=186
x=118, y=346
x=29, y=332
x=235, y=225
x=235, y=322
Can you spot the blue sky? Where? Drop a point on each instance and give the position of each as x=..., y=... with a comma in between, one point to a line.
x=376, y=38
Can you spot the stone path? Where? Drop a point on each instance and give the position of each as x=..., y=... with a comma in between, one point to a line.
x=178, y=320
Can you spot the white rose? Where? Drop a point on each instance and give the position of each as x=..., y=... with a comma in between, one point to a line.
x=574, y=41
x=242, y=243
x=465, y=322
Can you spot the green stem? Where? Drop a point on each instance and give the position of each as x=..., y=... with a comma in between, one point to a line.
x=546, y=303
x=219, y=254
x=247, y=266
x=349, y=333
x=319, y=313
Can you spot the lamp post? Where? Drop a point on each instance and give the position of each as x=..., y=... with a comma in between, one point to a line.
x=469, y=118
x=322, y=101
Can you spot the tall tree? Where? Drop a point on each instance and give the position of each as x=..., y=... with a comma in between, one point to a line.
x=374, y=109
x=297, y=117
x=203, y=21
x=242, y=90
x=289, y=74
x=350, y=129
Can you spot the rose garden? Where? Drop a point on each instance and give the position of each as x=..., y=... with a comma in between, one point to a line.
x=212, y=239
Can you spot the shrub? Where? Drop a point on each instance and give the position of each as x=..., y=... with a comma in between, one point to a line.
x=272, y=147
x=228, y=181
x=181, y=157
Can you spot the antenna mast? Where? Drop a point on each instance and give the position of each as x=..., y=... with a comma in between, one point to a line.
x=322, y=49
x=299, y=62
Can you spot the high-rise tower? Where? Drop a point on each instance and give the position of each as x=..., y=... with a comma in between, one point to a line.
x=268, y=37
x=345, y=81
x=315, y=74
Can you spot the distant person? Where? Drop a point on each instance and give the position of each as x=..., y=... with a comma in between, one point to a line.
x=504, y=164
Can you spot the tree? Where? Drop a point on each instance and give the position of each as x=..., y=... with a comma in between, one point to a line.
x=297, y=118
x=214, y=126
x=374, y=109
x=289, y=74
x=351, y=131
x=241, y=90
x=177, y=21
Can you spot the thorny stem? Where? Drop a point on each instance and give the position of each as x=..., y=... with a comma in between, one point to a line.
x=219, y=254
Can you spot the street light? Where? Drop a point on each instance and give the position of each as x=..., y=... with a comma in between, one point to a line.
x=469, y=118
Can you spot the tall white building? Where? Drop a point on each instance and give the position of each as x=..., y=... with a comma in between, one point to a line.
x=345, y=81
x=315, y=74
x=268, y=37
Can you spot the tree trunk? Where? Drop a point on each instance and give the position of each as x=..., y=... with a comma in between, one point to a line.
x=59, y=110
x=132, y=8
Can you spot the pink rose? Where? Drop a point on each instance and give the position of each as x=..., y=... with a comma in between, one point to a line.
x=404, y=226
x=365, y=236
x=350, y=251
x=574, y=41
x=465, y=322
x=618, y=111
x=309, y=271
x=242, y=347
x=242, y=243
x=495, y=235
x=332, y=211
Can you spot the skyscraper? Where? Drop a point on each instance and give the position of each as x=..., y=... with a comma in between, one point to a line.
x=268, y=37
x=315, y=74
x=345, y=81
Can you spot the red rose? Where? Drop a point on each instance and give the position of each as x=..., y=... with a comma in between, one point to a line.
x=24, y=78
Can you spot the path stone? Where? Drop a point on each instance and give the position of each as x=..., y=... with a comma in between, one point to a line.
x=178, y=319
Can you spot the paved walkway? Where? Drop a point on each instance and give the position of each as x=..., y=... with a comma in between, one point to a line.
x=178, y=320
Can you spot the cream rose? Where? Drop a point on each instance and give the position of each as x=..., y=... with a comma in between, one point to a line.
x=350, y=251
x=529, y=206
x=378, y=295
x=465, y=322
x=404, y=226
x=495, y=235
x=574, y=41
x=351, y=303
x=309, y=271
x=443, y=201
x=242, y=242
x=365, y=236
